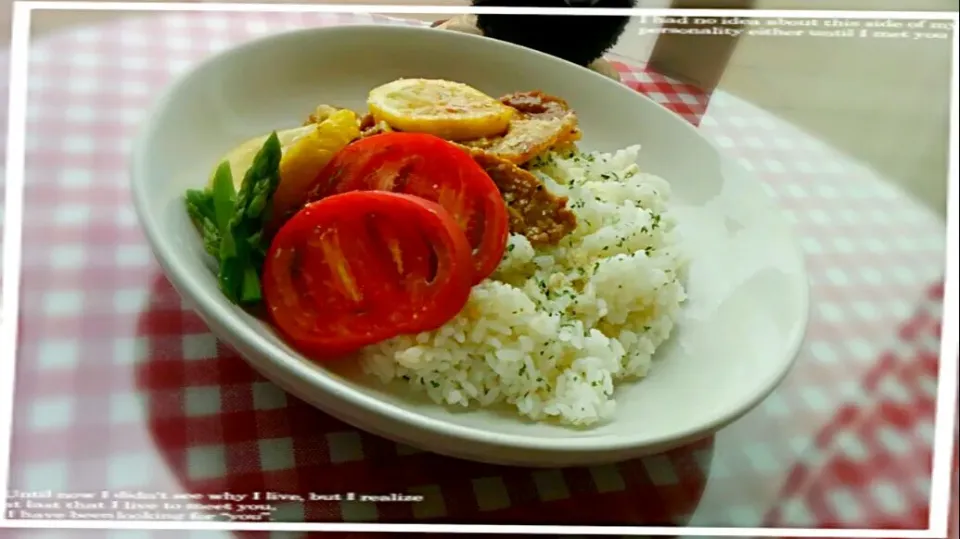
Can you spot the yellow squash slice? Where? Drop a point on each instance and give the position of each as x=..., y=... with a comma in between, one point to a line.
x=449, y=110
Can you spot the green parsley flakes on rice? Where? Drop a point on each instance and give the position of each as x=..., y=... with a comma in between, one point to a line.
x=553, y=330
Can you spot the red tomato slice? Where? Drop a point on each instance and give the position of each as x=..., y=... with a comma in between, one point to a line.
x=431, y=168
x=358, y=268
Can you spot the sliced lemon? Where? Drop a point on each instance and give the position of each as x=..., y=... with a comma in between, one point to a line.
x=450, y=110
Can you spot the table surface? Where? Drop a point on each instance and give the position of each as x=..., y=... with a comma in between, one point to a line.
x=121, y=388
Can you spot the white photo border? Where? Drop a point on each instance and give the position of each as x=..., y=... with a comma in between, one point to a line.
x=946, y=407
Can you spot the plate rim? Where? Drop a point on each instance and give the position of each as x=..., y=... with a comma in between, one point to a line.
x=237, y=329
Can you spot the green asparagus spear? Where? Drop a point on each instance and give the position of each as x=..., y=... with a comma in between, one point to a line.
x=231, y=223
x=224, y=204
x=224, y=196
x=239, y=269
x=200, y=202
x=200, y=209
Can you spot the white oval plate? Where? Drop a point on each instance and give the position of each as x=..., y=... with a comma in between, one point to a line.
x=741, y=328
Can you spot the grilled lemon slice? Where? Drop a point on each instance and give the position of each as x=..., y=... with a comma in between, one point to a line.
x=241, y=157
x=450, y=110
x=305, y=149
x=307, y=155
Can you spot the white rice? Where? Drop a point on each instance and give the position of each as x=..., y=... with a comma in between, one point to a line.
x=553, y=330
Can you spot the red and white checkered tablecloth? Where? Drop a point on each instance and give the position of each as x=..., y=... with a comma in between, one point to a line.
x=119, y=387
